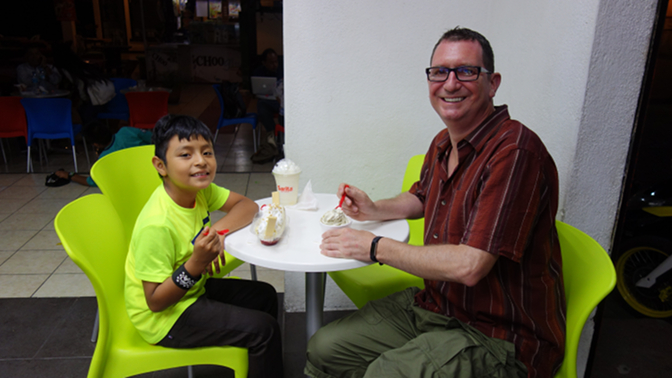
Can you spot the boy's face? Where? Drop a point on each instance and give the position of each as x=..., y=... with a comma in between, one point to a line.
x=190, y=165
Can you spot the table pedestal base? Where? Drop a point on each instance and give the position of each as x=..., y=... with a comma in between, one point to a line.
x=315, y=285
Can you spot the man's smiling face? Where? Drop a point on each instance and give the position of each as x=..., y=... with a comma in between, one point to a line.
x=458, y=103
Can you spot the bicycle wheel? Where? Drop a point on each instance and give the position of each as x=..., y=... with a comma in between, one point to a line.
x=637, y=262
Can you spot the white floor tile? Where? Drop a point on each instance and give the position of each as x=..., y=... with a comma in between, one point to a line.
x=12, y=240
x=66, y=192
x=7, y=179
x=68, y=266
x=33, y=262
x=44, y=206
x=22, y=192
x=25, y=221
x=31, y=179
x=235, y=182
x=8, y=206
x=4, y=255
x=66, y=285
x=20, y=285
x=44, y=240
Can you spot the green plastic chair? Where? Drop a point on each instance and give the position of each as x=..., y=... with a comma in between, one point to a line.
x=93, y=236
x=375, y=281
x=128, y=178
x=589, y=277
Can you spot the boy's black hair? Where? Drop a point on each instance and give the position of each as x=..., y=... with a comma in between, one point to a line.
x=185, y=127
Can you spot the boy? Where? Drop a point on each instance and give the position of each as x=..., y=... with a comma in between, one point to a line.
x=173, y=247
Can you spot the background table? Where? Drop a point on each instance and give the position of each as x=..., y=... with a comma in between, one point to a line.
x=145, y=89
x=52, y=94
x=299, y=250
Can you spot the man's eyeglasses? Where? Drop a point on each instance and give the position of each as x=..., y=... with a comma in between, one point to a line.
x=464, y=73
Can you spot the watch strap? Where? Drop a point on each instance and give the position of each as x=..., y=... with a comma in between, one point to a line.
x=374, y=248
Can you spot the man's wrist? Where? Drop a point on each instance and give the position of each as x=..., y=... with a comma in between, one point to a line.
x=374, y=249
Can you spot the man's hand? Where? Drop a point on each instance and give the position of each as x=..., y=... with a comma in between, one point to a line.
x=347, y=243
x=357, y=204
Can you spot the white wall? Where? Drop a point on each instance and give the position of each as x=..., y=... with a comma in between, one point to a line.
x=357, y=103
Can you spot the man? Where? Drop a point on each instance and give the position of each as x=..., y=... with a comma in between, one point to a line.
x=493, y=303
x=35, y=72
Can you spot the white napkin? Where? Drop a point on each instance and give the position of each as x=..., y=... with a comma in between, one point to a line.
x=307, y=200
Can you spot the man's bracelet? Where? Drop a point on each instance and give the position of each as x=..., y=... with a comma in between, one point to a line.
x=70, y=175
x=374, y=247
x=183, y=279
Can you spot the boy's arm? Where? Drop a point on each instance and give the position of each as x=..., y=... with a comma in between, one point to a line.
x=160, y=296
x=239, y=210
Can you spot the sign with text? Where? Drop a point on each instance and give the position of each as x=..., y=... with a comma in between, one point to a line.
x=214, y=64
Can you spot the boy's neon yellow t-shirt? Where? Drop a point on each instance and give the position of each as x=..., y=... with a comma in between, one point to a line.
x=162, y=240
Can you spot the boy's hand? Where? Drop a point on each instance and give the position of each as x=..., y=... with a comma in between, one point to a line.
x=218, y=263
x=207, y=248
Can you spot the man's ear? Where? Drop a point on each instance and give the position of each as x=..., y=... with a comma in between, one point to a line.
x=160, y=166
x=495, y=80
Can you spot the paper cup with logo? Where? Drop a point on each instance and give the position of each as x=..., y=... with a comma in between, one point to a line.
x=286, y=174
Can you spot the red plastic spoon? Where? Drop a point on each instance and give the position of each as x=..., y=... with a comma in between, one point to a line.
x=222, y=232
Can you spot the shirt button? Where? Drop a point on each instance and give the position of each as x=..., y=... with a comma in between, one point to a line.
x=436, y=236
x=443, y=203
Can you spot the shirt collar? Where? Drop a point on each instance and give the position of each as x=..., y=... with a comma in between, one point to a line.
x=480, y=135
x=487, y=128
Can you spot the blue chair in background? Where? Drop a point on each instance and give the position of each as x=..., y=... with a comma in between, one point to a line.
x=51, y=118
x=117, y=108
x=250, y=118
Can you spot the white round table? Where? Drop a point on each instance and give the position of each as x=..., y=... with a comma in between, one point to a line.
x=299, y=250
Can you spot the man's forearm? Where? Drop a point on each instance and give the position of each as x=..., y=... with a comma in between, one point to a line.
x=447, y=262
x=403, y=206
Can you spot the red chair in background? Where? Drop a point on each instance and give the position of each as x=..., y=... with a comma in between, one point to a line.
x=145, y=108
x=13, y=122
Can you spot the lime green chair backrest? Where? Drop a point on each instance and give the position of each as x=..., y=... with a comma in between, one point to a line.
x=416, y=226
x=93, y=236
x=375, y=281
x=589, y=277
x=128, y=178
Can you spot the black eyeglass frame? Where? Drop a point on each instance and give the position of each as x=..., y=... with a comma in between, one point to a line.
x=478, y=74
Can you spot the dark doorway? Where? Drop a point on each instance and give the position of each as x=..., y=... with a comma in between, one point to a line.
x=649, y=166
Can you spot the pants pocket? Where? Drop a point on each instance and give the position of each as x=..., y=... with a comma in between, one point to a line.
x=375, y=311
